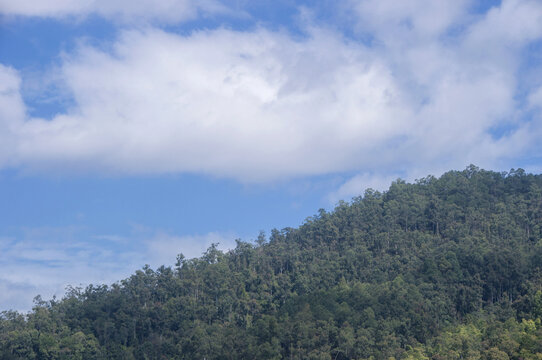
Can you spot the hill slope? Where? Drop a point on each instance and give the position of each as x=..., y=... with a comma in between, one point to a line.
x=444, y=268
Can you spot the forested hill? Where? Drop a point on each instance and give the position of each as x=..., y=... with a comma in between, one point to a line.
x=446, y=268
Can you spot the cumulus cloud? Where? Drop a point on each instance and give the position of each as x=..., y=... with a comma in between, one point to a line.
x=464, y=74
x=408, y=23
x=168, y=11
x=427, y=93
x=250, y=106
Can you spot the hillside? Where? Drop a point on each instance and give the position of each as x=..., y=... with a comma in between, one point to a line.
x=446, y=268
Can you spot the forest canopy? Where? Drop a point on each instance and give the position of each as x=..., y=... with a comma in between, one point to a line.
x=442, y=268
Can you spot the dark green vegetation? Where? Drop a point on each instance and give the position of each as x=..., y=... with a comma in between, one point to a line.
x=446, y=268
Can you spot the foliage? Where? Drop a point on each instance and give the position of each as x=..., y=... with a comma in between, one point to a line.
x=446, y=268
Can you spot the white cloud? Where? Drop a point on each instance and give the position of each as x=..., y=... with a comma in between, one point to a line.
x=250, y=106
x=259, y=106
x=408, y=23
x=12, y=112
x=509, y=26
x=357, y=185
x=169, y=11
x=163, y=248
x=535, y=98
x=464, y=72
x=46, y=260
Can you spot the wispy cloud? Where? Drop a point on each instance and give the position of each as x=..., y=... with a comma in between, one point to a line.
x=168, y=11
x=45, y=260
x=356, y=185
x=163, y=248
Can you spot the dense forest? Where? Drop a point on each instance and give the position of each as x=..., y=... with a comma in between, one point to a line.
x=444, y=268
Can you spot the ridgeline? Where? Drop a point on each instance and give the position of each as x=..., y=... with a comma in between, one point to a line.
x=447, y=268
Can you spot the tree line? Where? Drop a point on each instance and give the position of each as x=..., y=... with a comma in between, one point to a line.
x=443, y=268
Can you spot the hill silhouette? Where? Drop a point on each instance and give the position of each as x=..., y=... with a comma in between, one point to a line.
x=443, y=268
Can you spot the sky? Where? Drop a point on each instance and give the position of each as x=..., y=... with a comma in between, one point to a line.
x=132, y=131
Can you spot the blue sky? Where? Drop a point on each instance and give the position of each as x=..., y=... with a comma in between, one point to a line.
x=131, y=131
